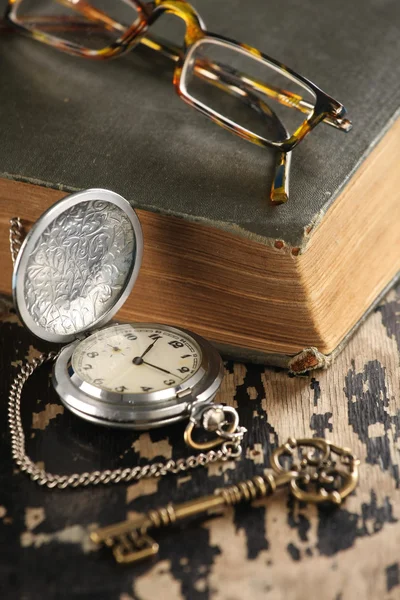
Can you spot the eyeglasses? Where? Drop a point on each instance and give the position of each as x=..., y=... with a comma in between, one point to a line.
x=235, y=85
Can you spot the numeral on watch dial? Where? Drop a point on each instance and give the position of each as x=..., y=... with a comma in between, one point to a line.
x=136, y=359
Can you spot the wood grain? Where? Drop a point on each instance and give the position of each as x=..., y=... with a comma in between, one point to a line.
x=282, y=550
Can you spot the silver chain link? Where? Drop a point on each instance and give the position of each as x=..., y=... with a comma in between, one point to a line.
x=15, y=237
x=228, y=451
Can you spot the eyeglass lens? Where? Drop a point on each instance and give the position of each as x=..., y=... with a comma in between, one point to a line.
x=94, y=25
x=245, y=89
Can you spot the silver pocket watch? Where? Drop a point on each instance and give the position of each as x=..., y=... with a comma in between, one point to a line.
x=75, y=269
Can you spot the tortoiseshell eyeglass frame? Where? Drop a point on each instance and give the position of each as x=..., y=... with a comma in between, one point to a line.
x=326, y=109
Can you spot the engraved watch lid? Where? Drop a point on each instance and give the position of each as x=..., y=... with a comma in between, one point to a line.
x=77, y=265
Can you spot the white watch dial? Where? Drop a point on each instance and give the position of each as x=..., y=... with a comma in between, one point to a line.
x=130, y=359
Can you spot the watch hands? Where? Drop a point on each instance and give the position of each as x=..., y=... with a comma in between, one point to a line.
x=149, y=348
x=160, y=369
x=139, y=361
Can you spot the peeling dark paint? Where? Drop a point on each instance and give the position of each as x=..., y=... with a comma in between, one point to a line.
x=314, y=385
x=297, y=519
x=320, y=423
x=293, y=551
x=254, y=527
x=390, y=311
x=192, y=544
x=332, y=520
x=392, y=576
x=368, y=405
x=260, y=431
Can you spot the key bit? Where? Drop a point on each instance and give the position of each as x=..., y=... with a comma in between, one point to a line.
x=314, y=469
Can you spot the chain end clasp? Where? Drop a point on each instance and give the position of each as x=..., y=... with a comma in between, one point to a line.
x=216, y=418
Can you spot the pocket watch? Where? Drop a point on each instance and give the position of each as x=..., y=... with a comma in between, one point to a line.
x=74, y=270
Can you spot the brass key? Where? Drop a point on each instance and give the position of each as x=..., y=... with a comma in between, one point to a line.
x=315, y=470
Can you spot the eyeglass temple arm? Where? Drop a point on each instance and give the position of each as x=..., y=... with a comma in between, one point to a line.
x=283, y=96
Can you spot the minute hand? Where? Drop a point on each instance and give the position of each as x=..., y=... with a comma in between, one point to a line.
x=161, y=369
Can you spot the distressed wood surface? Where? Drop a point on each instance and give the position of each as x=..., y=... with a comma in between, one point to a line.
x=282, y=550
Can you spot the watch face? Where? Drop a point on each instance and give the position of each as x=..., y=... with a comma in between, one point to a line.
x=135, y=359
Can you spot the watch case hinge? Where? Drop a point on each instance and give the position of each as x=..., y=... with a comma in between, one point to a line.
x=82, y=335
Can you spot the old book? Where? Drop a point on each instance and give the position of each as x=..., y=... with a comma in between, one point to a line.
x=280, y=284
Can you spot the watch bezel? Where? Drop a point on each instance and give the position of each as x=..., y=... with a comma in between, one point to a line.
x=139, y=410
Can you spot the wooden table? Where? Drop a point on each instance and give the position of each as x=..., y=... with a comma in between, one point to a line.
x=281, y=551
